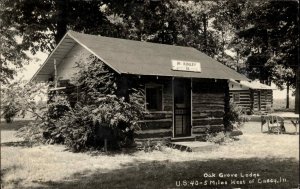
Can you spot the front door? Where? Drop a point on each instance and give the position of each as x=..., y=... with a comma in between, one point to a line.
x=182, y=107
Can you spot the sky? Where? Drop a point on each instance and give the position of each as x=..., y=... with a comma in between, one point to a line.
x=29, y=70
x=38, y=59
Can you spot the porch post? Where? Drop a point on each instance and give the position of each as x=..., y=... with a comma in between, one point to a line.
x=173, y=109
x=55, y=74
x=191, y=106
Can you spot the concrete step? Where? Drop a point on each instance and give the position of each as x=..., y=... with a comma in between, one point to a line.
x=183, y=139
x=195, y=146
x=179, y=147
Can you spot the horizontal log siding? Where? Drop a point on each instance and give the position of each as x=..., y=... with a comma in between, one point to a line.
x=270, y=98
x=266, y=100
x=245, y=100
x=158, y=124
x=208, y=106
x=161, y=133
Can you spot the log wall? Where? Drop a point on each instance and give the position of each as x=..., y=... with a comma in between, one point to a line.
x=158, y=124
x=208, y=106
x=254, y=100
x=266, y=100
x=245, y=99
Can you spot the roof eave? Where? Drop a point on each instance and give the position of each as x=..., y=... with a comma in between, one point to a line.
x=50, y=55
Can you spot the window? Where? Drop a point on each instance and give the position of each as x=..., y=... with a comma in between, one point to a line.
x=236, y=97
x=154, y=98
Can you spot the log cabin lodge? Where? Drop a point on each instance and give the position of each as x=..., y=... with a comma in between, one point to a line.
x=186, y=91
x=253, y=97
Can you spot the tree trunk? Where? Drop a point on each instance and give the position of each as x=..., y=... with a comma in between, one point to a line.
x=61, y=23
x=1, y=85
x=223, y=45
x=297, y=89
x=204, y=20
x=237, y=61
x=287, y=95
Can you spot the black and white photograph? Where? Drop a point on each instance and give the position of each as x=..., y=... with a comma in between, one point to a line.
x=149, y=94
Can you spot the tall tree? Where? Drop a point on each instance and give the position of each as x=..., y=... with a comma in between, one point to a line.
x=11, y=54
x=297, y=101
x=184, y=23
x=272, y=39
x=228, y=18
x=39, y=26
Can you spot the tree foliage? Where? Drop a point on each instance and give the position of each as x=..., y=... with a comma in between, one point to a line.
x=271, y=35
x=21, y=98
x=184, y=23
x=255, y=38
x=12, y=55
x=39, y=25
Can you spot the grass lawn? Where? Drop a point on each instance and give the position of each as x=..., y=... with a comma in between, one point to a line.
x=269, y=157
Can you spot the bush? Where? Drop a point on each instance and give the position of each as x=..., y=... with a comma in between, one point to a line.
x=9, y=112
x=87, y=127
x=97, y=115
x=236, y=116
x=18, y=98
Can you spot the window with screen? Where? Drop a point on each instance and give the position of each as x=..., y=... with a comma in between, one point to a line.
x=154, y=98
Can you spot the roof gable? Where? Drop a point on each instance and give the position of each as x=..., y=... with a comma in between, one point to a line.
x=139, y=58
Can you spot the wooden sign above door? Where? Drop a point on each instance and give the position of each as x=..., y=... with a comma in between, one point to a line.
x=188, y=66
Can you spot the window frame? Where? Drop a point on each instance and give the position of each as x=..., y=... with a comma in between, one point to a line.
x=158, y=87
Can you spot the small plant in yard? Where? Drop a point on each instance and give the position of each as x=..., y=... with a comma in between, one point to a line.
x=219, y=138
x=149, y=146
x=236, y=117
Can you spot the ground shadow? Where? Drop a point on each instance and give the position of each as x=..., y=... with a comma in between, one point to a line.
x=128, y=151
x=17, y=144
x=13, y=126
x=189, y=174
x=13, y=183
x=284, y=133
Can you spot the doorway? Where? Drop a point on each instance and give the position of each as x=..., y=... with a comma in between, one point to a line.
x=182, y=107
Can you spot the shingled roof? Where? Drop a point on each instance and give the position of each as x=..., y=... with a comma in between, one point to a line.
x=253, y=85
x=138, y=58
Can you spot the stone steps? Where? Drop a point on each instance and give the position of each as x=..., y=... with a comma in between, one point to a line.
x=194, y=146
x=188, y=144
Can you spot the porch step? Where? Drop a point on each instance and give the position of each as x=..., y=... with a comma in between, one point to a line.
x=183, y=139
x=179, y=147
x=195, y=146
